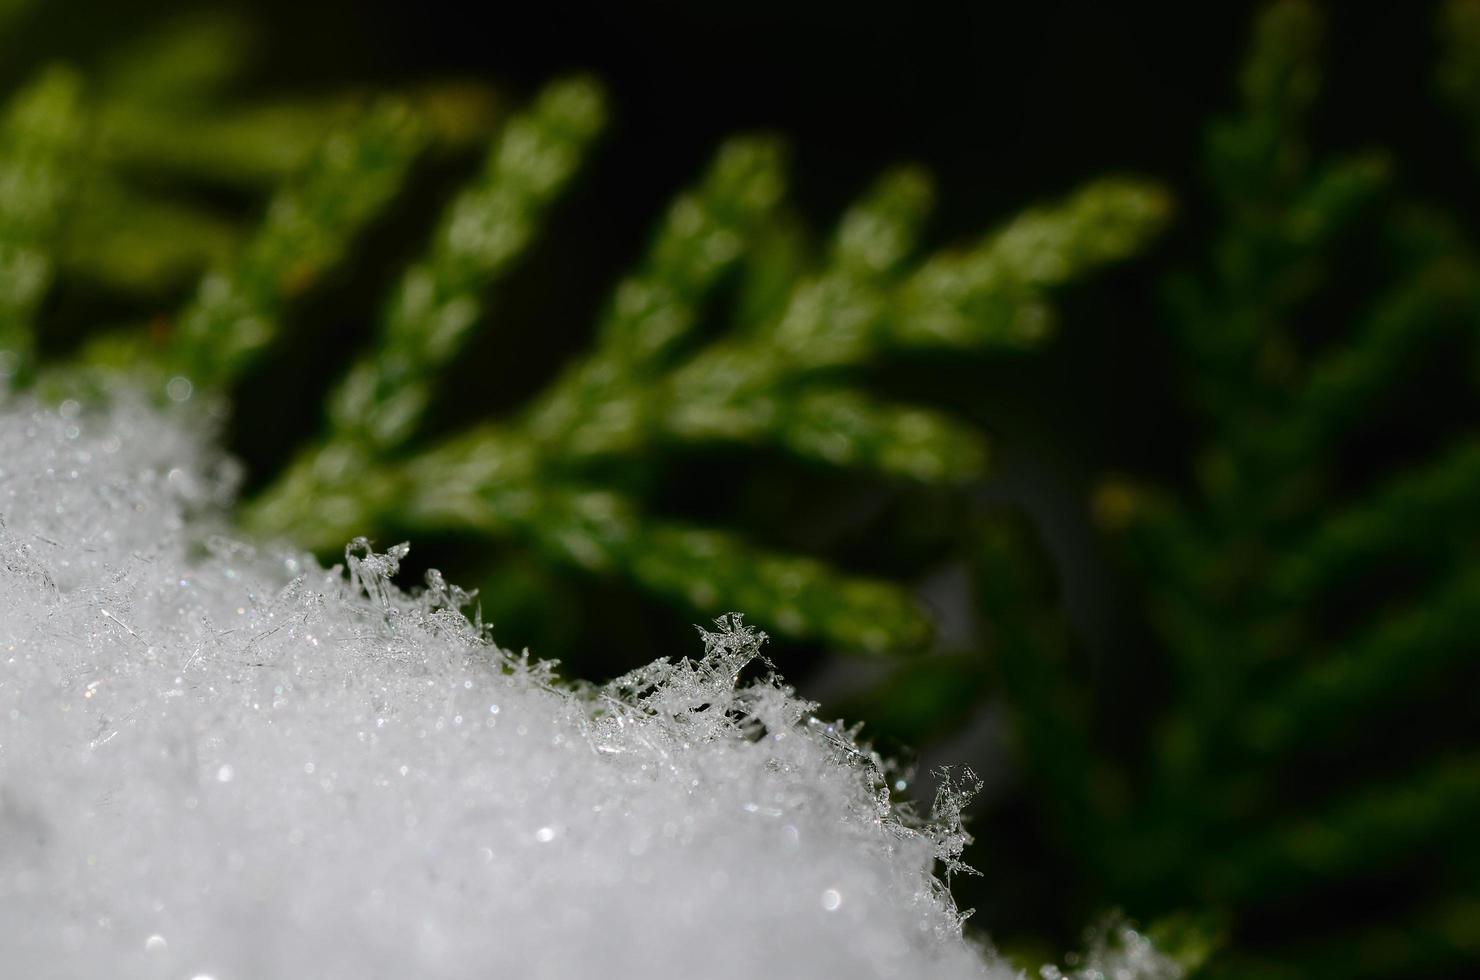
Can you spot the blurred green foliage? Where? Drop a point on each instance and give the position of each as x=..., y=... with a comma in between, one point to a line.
x=1309, y=780
x=40, y=135
x=1283, y=787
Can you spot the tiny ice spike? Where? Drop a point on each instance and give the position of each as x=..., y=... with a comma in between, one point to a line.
x=219, y=762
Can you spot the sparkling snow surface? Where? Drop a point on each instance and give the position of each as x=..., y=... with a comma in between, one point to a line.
x=218, y=762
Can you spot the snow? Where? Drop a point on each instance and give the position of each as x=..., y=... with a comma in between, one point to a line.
x=219, y=761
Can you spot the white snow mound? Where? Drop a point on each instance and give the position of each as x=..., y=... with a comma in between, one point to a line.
x=216, y=762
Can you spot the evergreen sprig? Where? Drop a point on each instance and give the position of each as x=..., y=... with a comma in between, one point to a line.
x=779, y=380
x=781, y=373
x=235, y=312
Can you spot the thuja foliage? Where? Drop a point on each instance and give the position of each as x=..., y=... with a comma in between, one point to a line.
x=779, y=374
x=1306, y=793
x=777, y=378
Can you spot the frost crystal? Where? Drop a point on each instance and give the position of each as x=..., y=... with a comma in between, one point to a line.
x=221, y=762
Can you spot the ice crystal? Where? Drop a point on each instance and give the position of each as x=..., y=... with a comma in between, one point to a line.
x=226, y=761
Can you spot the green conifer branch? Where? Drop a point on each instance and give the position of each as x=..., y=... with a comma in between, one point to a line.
x=1438, y=300
x=991, y=295
x=1402, y=654
x=705, y=234
x=237, y=310
x=1245, y=572
x=739, y=389
x=42, y=134
x=141, y=243
x=1258, y=156
x=249, y=147
x=769, y=382
x=1426, y=512
x=1370, y=829
x=484, y=231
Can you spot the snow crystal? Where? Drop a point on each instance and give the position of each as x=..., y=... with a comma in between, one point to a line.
x=226, y=762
